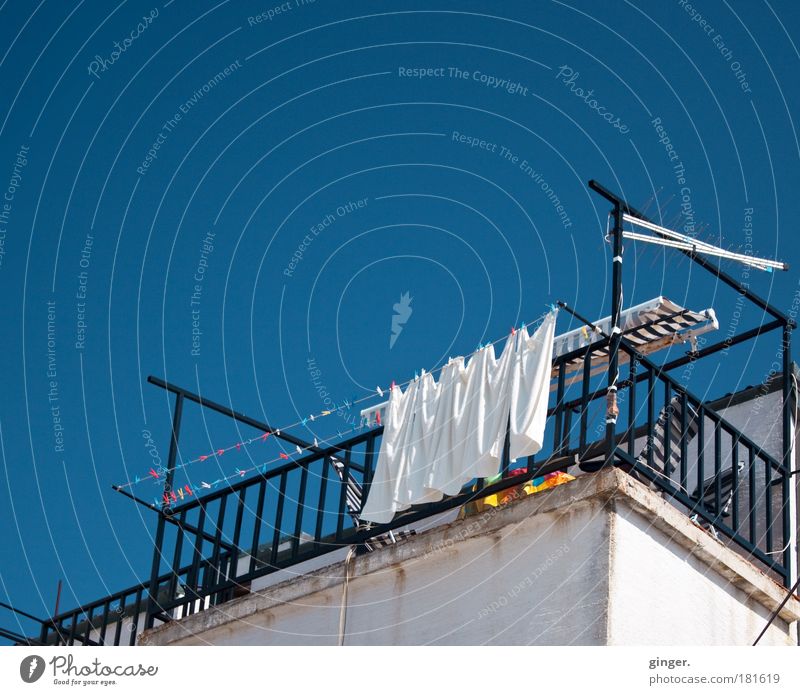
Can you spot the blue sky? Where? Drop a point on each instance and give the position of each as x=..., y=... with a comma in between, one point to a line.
x=278, y=180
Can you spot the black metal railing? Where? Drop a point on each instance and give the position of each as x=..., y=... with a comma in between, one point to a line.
x=299, y=510
x=212, y=548
x=116, y=619
x=706, y=465
x=119, y=618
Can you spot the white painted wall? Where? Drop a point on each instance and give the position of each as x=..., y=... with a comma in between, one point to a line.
x=685, y=600
x=601, y=560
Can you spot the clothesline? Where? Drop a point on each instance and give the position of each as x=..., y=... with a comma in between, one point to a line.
x=531, y=324
x=439, y=436
x=156, y=475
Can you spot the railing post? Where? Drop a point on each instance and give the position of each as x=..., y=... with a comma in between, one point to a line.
x=788, y=486
x=152, y=601
x=612, y=410
x=173, y=448
x=44, y=633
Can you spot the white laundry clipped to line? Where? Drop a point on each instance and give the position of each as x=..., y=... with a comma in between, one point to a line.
x=440, y=435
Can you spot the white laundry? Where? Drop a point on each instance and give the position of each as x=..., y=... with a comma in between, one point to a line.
x=438, y=437
x=443, y=473
x=482, y=419
x=419, y=454
x=381, y=504
x=530, y=389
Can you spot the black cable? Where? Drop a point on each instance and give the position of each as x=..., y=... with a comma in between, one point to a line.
x=778, y=610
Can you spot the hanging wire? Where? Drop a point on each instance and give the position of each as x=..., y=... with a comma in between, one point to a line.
x=313, y=417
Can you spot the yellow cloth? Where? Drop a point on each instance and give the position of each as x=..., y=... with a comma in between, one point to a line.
x=499, y=499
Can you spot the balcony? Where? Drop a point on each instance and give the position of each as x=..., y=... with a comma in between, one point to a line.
x=727, y=476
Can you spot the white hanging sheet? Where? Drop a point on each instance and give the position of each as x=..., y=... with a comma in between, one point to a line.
x=381, y=503
x=481, y=422
x=419, y=452
x=442, y=473
x=530, y=389
x=438, y=437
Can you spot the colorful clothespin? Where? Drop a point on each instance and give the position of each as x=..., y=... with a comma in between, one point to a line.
x=278, y=432
x=585, y=333
x=173, y=496
x=316, y=443
x=299, y=450
x=154, y=474
x=283, y=456
x=180, y=493
x=240, y=473
x=166, y=498
x=220, y=452
x=188, y=490
x=205, y=485
x=380, y=391
x=238, y=446
x=305, y=420
x=203, y=458
x=378, y=417
x=513, y=330
x=312, y=417
x=264, y=436
x=137, y=480
x=326, y=412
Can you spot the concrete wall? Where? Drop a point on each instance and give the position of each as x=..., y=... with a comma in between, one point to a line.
x=675, y=597
x=601, y=560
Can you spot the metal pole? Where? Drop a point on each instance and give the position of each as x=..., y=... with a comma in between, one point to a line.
x=239, y=417
x=3, y=604
x=152, y=602
x=788, y=496
x=58, y=597
x=613, y=351
x=171, y=518
x=173, y=450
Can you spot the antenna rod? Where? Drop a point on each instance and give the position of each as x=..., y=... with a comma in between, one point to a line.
x=669, y=237
x=710, y=267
